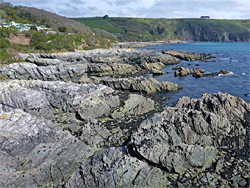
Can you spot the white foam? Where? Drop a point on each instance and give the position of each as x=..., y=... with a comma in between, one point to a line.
x=228, y=74
x=243, y=74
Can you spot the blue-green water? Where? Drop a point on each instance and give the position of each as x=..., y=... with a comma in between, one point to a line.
x=233, y=57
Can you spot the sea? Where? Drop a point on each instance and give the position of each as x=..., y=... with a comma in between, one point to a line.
x=233, y=57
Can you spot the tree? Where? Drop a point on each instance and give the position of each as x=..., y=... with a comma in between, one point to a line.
x=62, y=29
x=33, y=28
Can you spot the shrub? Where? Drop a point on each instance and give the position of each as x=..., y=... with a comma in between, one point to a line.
x=62, y=29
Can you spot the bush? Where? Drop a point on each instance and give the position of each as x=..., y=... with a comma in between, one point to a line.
x=62, y=29
x=4, y=43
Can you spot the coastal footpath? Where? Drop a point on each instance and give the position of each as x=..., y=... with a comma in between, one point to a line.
x=89, y=119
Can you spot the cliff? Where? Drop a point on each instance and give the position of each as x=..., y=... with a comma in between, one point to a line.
x=149, y=29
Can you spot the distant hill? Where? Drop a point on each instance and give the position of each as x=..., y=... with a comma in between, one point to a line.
x=149, y=29
x=67, y=35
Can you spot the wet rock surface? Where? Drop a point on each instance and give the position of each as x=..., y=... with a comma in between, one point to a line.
x=187, y=56
x=87, y=119
x=186, y=71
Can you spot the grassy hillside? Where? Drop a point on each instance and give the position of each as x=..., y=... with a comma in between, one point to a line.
x=148, y=29
x=76, y=36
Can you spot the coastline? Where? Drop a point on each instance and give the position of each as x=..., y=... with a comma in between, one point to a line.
x=91, y=115
x=144, y=44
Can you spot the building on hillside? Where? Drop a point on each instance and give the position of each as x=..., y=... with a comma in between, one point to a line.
x=205, y=17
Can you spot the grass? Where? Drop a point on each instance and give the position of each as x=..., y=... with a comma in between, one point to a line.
x=100, y=23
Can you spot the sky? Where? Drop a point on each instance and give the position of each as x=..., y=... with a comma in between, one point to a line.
x=217, y=9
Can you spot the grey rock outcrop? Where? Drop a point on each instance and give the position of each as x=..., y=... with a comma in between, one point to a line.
x=135, y=105
x=101, y=69
x=187, y=56
x=186, y=71
x=30, y=71
x=126, y=56
x=187, y=137
x=139, y=84
x=154, y=68
x=198, y=74
x=87, y=100
x=115, y=168
x=14, y=96
x=32, y=154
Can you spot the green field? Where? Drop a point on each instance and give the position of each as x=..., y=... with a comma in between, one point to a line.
x=150, y=29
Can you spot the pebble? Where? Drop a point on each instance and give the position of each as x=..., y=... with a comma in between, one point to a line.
x=242, y=183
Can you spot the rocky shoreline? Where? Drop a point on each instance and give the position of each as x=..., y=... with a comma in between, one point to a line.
x=88, y=119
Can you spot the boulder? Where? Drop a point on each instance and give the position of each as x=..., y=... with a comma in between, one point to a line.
x=223, y=72
x=134, y=105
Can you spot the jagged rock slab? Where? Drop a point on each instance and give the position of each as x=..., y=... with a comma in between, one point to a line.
x=14, y=96
x=115, y=168
x=101, y=69
x=126, y=56
x=135, y=105
x=139, y=84
x=187, y=137
x=33, y=154
x=187, y=56
x=89, y=101
x=30, y=71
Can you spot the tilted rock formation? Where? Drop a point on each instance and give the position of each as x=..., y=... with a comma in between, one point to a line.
x=187, y=136
x=135, y=105
x=127, y=56
x=186, y=71
x=187, y=56
x=101, y=69
x=139, y=84
x=180, y=143
x=33, y=154
x=115, y=168
x=87, y=100
x=59, y=72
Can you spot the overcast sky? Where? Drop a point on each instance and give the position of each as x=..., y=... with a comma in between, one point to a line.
x=218, y=9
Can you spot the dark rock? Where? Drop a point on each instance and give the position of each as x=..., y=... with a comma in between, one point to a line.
x=176, y=67
x=187, y=56
x=223, y=72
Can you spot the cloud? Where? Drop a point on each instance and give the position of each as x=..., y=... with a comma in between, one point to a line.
x=126, y=2
x=77, y=2
x=233, y=9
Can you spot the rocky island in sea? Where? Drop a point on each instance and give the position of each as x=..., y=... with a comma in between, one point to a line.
x=89, y=119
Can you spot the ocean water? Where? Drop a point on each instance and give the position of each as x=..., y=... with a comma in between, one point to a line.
x=233, y=57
